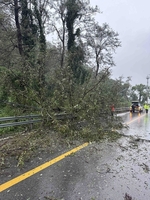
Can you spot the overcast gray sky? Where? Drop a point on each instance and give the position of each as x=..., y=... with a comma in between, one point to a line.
x=131, y=19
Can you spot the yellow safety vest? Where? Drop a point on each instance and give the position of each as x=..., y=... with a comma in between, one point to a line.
x=146, y=106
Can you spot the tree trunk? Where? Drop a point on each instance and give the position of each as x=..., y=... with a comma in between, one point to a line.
x=19, y=36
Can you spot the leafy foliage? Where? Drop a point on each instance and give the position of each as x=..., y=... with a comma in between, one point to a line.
x=61, y=77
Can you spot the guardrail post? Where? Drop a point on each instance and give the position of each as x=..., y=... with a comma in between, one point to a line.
x=30, y=125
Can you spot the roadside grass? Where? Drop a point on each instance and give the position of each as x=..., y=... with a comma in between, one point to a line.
x=10, y=130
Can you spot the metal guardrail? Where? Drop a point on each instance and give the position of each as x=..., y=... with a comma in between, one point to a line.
x=63, y=116
x=122, y=109
x=31, y=120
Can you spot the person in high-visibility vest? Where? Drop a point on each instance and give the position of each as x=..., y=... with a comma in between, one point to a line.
x=146, y=107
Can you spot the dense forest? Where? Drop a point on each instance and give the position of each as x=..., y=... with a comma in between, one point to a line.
x=69, y=75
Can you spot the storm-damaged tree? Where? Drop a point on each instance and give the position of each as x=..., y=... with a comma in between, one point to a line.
x=73, y=86
x=78, y=88
x=101, y=43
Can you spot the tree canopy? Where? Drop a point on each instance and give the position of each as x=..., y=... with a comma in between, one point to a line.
x=70, y=74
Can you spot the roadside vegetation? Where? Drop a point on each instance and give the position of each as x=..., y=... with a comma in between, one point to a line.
x=71, y=74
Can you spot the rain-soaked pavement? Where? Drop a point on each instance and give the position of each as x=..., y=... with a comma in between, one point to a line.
x=139, y=125
x=105, y=171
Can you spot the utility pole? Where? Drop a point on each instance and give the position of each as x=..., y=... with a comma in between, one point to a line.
x=147, y=88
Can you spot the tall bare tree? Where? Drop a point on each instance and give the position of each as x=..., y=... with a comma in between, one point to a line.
x=103, y=42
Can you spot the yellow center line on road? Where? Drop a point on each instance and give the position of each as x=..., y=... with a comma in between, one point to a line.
x=26, y=175
x=135, y=119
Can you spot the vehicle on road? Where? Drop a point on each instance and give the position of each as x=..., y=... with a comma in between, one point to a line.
x=136, y=107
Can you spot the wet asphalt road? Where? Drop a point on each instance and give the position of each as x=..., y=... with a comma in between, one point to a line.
x=104, y=171
x=139, y=125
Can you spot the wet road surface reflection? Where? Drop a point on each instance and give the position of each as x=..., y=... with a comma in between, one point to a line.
x=138, y=125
